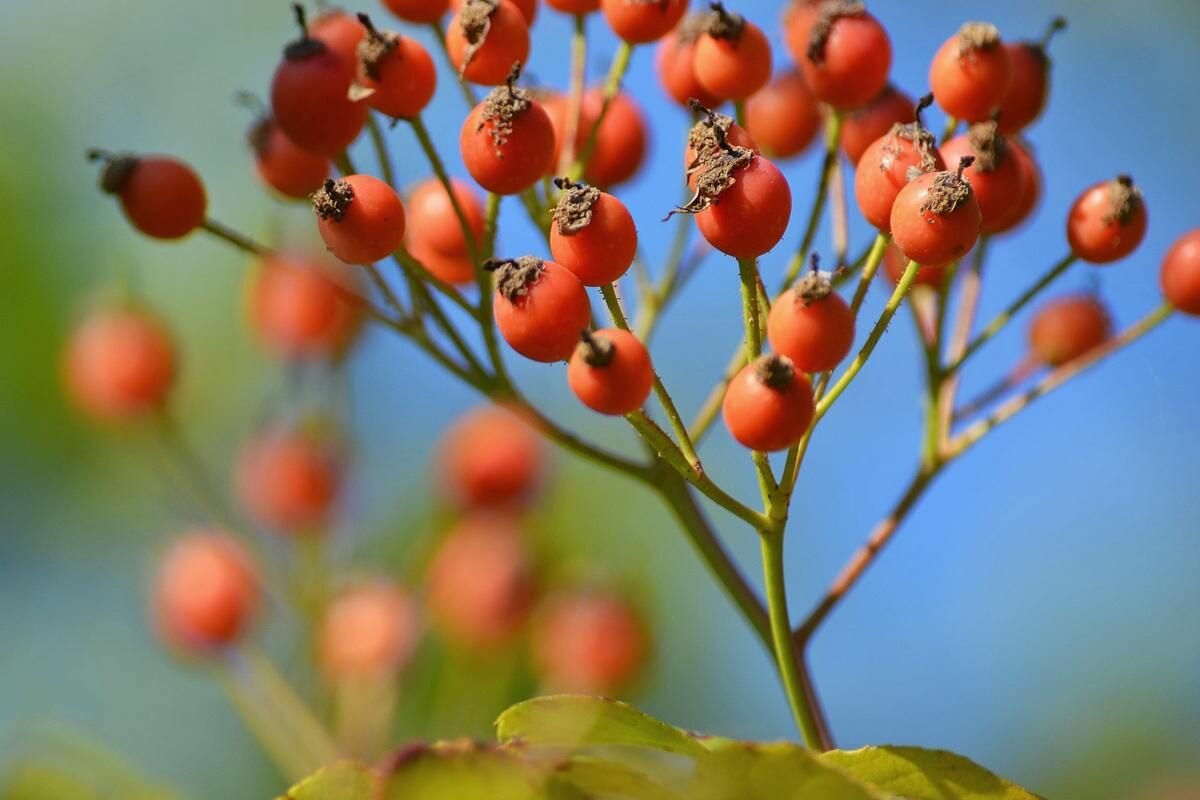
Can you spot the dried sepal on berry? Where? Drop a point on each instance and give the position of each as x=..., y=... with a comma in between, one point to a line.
x=950, y=190
x=502, y=106
x=515, y=276
x=333, y=199
x=831, y=11
x=574, y=210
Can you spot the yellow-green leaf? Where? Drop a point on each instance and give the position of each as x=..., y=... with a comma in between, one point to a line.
x=344, y=781
x=574, y=721
x=745, y=771
x=919, y=774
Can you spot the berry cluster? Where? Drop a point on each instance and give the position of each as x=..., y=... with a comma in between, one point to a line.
x=933, y=206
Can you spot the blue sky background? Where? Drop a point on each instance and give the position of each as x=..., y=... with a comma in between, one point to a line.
x=1037, y=613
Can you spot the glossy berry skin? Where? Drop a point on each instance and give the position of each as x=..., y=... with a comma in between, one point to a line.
x=340, y=31
x=621, y=384
x=403, y=81
x=895, y=264
x=528, y=8
x=506, y=43
x=1180, y=276
x=1000, y=191
x=815, y=335
x=526, y=155
x=418, y=11
x=603, y=250
x=120, y=363
x=733, y=69
x=456, y=270
x=490, y=458
x=1097, y=235
x=1068, y=328
x=432, y=223
x=372, y=225
x=283, y=165
x=162, y=197
x=970, y=84
x=763, y=418
x=544, y=322
x=751, y=216
x=574, y=6
x=206, y=593
x=300, y=308
x=1026, y=96
x=309, y=99
x=288, y=481
x=783, y=117
x=369, y=633
x=856, y=59
x=480, y=587
x=1031, y=194
x=883, y=172
x=621, y=141
x=675, y=63
x=927, y=237
x=589, y=642
x=863, y=127
x=641, y=23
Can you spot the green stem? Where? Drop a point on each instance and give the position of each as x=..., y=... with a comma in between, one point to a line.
x=751, y=318
x=575, y=98
x=381, y=151
x=996, y=325
x=233, y=237
x=833, y=140
x=860, y=361
x=612, y=85
x=781, y=637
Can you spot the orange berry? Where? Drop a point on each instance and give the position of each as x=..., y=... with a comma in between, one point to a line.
x=360, y=218
x=283, y=165
x=784, y=117
x=640, y=23
x=610, y=372
x=508, y=141
x=161, y=196
x=864, y=126
x=432, y=223
x=675, y=63
x=397, y=71
x=936, y=218
x=288, y=481
x=733, y=57
x=485, y=38
x=589, y=642
x=1180, y=276
x=971, y=73
x=490, y=458
x=1067, y=328
x=206, y=592
x=812, y=325
x=369, y=632
x=846, y=55
x=540, y=308
x=120, y=363
x=768, y=405
x=1108, y=221
x=301, y=308
x=593, y=235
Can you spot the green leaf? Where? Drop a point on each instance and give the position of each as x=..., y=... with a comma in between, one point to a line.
x=470, y=771
x=919, y=774
x=573, y=721
x=344, y=781
x=772, y=772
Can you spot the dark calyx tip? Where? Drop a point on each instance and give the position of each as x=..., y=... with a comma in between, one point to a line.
x=333, y=199
x=596, y=351
x=776, y=372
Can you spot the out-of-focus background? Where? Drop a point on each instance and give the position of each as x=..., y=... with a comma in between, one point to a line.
x=1038, y=613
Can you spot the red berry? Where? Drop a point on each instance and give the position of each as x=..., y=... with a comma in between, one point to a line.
x=971, y=73
x=339, y=31
x=749, y=217
x=432, y=223
x=639, y=22
x=206, y=592
x=288, y=480
x=397, y=71
x=1027, y=96
x=589, y=642
x=161, y=196
x=490, y=458
x=884, y=169
x=508, y=141
x=540, y=308
x=301, y=308
x=1180, y=275
x=593, y=235
x=457, y=270
x=996, y=175
x=784, y=117
x=1108, y=221
x=1067, y=328
x=485, y=38
x=120, y=363
x=895, y=264
x=862, y=127
x=846, y=55
x=418, y=11
x=309, y=97
x=621, y=140
x=369, y=633
x=675, y=63
x=768, y=405
x=360, y=218
x=733, y=56
x=574, y=6
x=480, y=587
x=936, y=218
x=610, y=371
x=812, y=325
x=528, y=8
x=283, y=165
x=1031, y=181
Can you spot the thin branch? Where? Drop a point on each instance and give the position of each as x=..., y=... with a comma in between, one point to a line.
x=235, y=238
